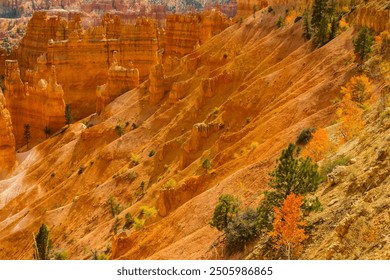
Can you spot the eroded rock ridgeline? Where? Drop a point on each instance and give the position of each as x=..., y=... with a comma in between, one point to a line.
x=82, y=56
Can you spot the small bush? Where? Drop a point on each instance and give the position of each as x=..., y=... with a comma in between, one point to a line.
x=119, y=130
x=115, y=207
x=132, y=175
x=81, y=169
x=206, y=164
x=254, y=145
x=152, y=153
x=170, y=184
x=270, y=9
x=280, y=22
x=242, y=230
x=116, y=225
x=328, y=166
x=225, y=210
x=102, y=257
x=305, y=136
x=312, y=205
x=139, y=223
x=135, y=159
x=129, y=221
x=61, y=255
x=148, y=212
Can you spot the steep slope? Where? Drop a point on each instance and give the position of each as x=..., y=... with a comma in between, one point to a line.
x=237, y=100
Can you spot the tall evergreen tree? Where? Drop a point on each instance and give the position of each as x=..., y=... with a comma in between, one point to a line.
x=333, y=19
x=26, y=133
x=306, y=25
x=363, y=43
x=68, y=114
x=42, y=244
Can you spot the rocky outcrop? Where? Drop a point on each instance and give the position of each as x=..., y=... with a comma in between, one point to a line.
x=39, y=101
x=7, y=140
x=120, y=80
x=156, y=87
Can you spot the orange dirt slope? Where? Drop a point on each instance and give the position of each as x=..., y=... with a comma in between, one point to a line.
x=237, y=100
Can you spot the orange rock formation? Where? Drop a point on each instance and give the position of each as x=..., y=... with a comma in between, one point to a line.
x=39, y=101
x=120, y=80
x=7, y=139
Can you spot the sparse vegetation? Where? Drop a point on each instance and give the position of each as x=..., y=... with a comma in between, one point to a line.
x=135, y=160
x=152, y=153
x=170, y=184
x=116, y=225
x=305, y=136
x=81, y=169
x=132, y=175
x=68, y=114
x=139, y=223
x=328, y=166
x=115, y=207
x=119, y=130
x=224, y=212
x=206, y=164
x=47, y=131
x=26, y=134
x=280, y=22
x=129, y=221
x=241, y=230
x=363, y=43
x=42, y=244
x=270, y=9
x=61, y=255
x=148, y=212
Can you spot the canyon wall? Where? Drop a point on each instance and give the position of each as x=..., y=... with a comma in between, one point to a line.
x=7, y=139
x=37, y=102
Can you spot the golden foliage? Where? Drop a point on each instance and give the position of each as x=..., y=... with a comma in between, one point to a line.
x=343, y=24
x=350, y=117
x=318, y=146
x=359, y=87
x=288, y=232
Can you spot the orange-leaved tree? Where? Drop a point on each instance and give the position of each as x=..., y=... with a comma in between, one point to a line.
x=318, y=146
x=288, y=226
x=350, y=117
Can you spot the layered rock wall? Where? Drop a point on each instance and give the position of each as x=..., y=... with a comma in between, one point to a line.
x=185, y=32
x=39, y=101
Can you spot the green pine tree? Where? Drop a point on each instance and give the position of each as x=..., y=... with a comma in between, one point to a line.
x=363, y=43
x=226, y=208
x=27, y=134
x=68, y=114
x=42, y=244
x=293, y=174
x=306, y=26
